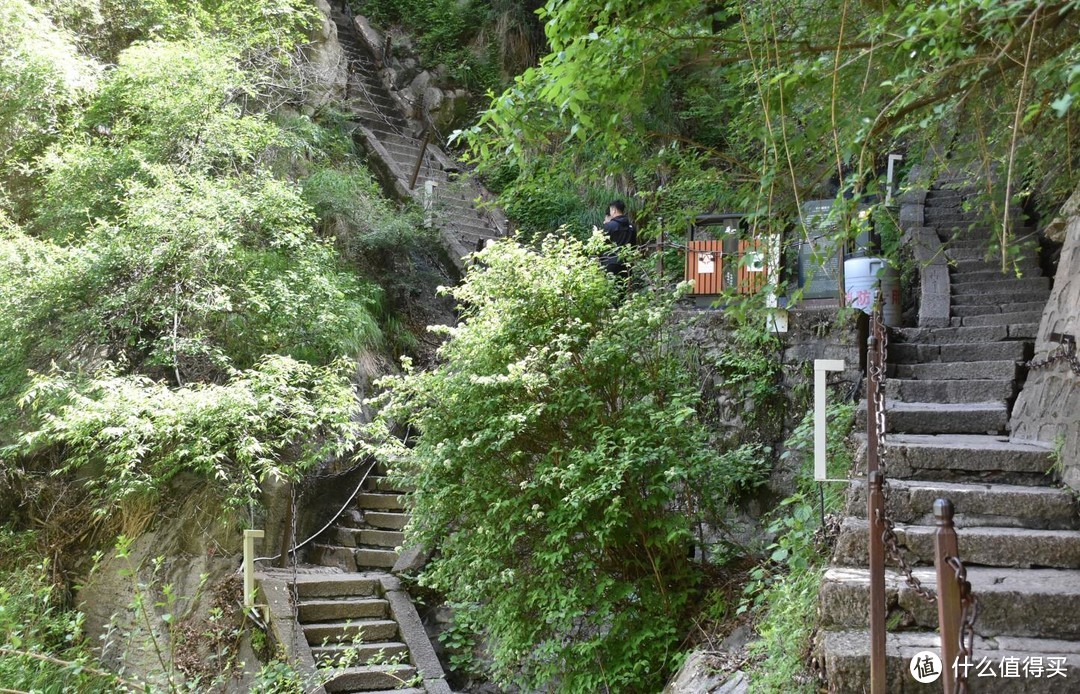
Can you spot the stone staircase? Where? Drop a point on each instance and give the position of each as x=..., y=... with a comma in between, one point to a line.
x=949, y=395
x=381, y=120
x=349, y=612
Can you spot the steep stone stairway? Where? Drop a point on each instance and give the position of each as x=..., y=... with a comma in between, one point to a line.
x=350, y=614
x=380, y=118
x=948, y=400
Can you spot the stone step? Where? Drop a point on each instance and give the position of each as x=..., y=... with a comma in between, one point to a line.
x=981, y=390
x=958, y=370
x=979, y=546
x=1003, y=299
x=968, y=458
x=941, y=418
x=360, y=654
x=1022, y=286
x=990, y=274
x=380, y=501
x=342, y=608
x=952, y=336
x=338, y=556
x=337, y=585
x=906, y=353
x=965, y=310
x=963, y=253
x=1024, y=331
x=1029, y=265
x=1040, y=603
x=355, y=537
x=369, y=630
x=367, y=557
x=386, y=519
x=369, y=678
x=1012, y=318
x=846, y=657
x=976, y=504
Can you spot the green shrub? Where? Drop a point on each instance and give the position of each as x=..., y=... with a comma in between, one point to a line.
x=559, y=454
x=274, y=420
x=42, y=645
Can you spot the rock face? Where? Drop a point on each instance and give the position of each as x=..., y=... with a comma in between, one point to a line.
x=699, y=675
x=1048, y=408
x=327, y=67
x=191, y=542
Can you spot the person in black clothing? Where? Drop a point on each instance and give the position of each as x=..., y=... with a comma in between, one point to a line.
x=621, y=232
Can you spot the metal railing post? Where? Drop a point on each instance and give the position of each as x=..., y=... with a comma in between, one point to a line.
x=875, y=508
x=875, y=514
x=420, y=158
x=948, y=592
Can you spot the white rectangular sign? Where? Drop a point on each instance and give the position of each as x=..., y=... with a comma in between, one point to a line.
x=821, y=366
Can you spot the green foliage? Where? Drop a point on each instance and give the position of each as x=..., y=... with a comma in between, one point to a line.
x=42, y=646
x=480, y=42
x=559, y=453
x=773, y=99
x=274, y=420
x=349, y=206
x=41, y=80
x=783, y=589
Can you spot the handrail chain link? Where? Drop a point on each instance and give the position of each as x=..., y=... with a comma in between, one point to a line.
x=877, y=371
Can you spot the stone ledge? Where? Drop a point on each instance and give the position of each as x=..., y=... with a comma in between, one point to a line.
x=413, y=635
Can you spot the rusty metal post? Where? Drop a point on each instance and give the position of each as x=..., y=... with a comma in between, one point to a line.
x=875, y=514
x=420, y=158
x=875, y=508
x=948, y=592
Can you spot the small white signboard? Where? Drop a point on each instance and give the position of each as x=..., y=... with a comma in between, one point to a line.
x=821, y=473
x=706, y=265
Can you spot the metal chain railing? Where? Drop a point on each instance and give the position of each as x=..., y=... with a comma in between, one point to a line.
x=876, y=370
x=969, y=612
x=1065, y=352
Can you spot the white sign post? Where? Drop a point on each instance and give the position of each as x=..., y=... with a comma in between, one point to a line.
x=821, y=366
x=249, y=566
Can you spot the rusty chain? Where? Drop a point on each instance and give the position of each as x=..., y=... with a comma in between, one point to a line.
x=969, y=612
x=1064, y=352
x=876, y=371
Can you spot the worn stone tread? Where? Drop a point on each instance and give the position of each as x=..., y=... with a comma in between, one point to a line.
x=1018, y=602
x=950, y=390
x=958, y=371
x=369, y=677
x=983, y=546
x=342, y=608
x=976, y=504
x=364, y=630
x=330, y=653
x=386, y=519
x=343, y=584
x=941, y=418
x=847, y=656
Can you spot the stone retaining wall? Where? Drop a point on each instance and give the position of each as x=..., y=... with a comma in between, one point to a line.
x=1048, y=407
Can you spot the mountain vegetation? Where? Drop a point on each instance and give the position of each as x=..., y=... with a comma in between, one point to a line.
x=194, y=258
